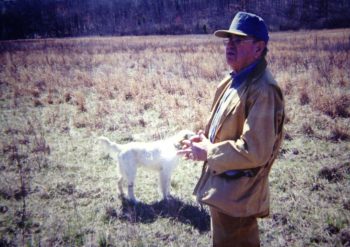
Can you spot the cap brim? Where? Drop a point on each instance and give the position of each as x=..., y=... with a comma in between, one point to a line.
x=228, y=33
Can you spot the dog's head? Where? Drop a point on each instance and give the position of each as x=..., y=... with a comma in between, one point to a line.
x=181, y=136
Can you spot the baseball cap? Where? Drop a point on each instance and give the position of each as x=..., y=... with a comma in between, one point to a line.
x=246, y=24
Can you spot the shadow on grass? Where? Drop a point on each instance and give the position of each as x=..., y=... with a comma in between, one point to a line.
x=173, y=208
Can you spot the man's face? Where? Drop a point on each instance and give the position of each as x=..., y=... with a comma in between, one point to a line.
x=241, y=51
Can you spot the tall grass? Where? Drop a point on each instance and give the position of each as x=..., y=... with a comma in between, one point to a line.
x=58, y=95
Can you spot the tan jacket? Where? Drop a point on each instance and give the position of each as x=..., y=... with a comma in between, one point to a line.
x=248, y=137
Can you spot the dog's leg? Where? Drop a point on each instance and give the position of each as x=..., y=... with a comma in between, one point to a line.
x=131, y=180
x=131, y=194
x=164, y=178
x=127, y=169
x=120, y=186
x=130, y=184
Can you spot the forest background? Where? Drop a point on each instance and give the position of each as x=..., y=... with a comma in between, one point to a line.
x=67, y=18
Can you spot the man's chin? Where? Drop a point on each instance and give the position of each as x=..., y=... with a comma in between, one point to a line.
x=231, y=63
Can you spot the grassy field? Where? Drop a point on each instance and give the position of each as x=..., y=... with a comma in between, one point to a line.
x=58, y=95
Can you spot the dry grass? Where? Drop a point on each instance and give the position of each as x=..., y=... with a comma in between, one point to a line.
x=58, y=95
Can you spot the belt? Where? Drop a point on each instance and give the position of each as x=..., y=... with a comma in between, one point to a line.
x=234, y=174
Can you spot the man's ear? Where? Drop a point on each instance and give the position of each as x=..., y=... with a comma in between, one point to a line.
x=259, y=48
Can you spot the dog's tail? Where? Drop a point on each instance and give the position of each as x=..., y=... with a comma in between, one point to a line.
x=108, y=146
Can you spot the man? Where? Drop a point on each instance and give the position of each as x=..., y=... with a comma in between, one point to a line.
x=242, y=137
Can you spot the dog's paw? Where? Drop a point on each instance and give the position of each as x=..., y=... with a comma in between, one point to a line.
x=134, y=202
x=126, y=200
x=168, y=198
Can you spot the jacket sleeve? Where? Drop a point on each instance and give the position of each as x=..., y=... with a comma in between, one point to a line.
x=255, y=146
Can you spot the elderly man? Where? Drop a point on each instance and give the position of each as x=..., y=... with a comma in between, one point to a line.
x=242, y=137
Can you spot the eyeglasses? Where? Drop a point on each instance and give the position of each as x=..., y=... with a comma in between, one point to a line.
x=236, y=41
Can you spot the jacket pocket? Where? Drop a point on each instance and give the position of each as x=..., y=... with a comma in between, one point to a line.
x=238, y=197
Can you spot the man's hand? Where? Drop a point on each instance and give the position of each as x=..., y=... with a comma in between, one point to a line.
x=196, y=148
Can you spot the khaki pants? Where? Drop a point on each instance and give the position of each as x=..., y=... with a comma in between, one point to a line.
x=230, y=231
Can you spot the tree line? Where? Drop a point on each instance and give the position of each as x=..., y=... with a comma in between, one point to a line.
x=69, y=18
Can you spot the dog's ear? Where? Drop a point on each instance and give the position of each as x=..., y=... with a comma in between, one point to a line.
x=188, y=134
x=181, y=136
x=178, y=145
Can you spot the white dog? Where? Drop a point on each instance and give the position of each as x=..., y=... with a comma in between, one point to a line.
x=159, y=155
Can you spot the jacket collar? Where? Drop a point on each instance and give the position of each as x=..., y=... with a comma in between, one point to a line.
x=258, y=70
x=240, y=77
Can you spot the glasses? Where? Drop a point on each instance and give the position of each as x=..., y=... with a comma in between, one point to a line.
x=236, y=41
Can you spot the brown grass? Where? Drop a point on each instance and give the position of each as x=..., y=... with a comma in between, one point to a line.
x=58, y=95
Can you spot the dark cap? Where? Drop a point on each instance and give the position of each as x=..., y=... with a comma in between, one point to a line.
x=246, y=24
